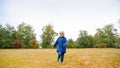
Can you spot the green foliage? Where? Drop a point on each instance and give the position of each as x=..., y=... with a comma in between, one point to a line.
x=25, y=33
x=107, y=35
x=9, y=34
x=102, y=45
x=47, y=36
x=6, y=36
x=22, y=37
x=117, y=45
x=84, y=40
x=71, y=43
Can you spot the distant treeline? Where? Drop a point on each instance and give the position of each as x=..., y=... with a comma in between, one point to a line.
x=24, y=37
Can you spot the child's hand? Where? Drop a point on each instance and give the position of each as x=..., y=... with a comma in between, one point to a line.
x=64, y=45
x=52, y=46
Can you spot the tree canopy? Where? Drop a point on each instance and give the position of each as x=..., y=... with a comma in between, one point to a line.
x=47, y=36
x=20, y=37
x=25, y=37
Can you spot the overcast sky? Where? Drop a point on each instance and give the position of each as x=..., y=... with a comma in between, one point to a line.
x=69, y=16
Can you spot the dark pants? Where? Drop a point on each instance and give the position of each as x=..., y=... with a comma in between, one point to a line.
x=61, y=55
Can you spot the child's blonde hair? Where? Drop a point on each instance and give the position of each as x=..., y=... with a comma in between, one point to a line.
x=62, y=32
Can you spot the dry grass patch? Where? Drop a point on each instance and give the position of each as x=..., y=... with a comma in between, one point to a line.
x=46, y=58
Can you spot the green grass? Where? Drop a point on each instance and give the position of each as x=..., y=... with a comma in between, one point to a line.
x=46, y=58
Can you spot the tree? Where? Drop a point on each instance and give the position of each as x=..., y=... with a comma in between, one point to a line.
x=71, y=43
x=25, y=33
x=99, y=37
x=9, y=35
x=84, y=40
x=6, y=36
x=33, y=43
x=118, y=42
x=118, y=36
x=106, y=35
x=47, y=36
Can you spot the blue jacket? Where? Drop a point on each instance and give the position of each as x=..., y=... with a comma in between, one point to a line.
x=61, y=42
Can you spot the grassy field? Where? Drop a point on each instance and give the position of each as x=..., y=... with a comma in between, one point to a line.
x=46, y=58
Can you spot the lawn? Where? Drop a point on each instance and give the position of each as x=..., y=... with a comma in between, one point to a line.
x=46, y=58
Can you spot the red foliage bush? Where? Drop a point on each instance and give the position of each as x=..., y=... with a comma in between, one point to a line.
x=17, y=43
x=33, y=43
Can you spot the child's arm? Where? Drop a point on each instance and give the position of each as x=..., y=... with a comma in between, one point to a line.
x=55, y=43
x=65, y=44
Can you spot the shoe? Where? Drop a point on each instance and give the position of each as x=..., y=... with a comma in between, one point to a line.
x=57, y=60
